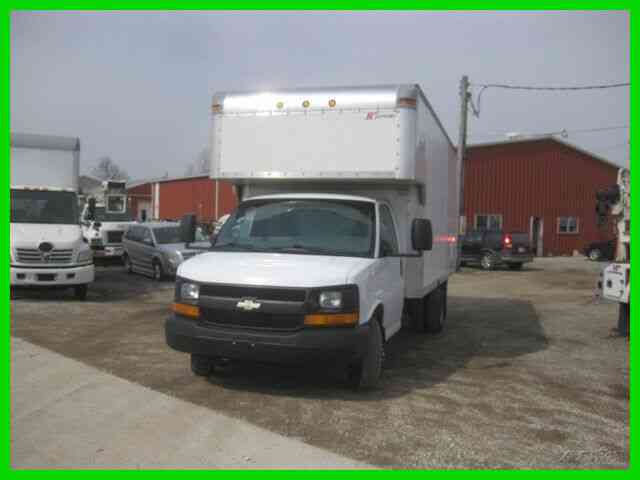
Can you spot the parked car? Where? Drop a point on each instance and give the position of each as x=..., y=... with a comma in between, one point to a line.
x=155, y=248
x=493, y=248
x=601, y=250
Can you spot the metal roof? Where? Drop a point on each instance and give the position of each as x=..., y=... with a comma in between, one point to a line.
x=545, y=138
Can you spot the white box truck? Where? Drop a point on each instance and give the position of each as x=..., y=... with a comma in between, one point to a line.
x=47, y=247
x=346, y=230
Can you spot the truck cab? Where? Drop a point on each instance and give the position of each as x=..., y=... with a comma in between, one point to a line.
x=105, y=219
x=47, y=247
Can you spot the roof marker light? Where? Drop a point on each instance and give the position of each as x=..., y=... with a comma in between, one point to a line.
x=332, y=103
x=306, y=104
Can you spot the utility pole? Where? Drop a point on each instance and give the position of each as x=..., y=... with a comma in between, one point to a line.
x=462, y=144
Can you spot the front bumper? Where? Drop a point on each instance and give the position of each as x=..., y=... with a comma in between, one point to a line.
x=51, y=276
x=107, y=251
x=336, y=345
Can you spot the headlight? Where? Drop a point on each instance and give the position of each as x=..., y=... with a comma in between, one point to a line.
x=85, y=256
x=189, y=291
x=330, y=300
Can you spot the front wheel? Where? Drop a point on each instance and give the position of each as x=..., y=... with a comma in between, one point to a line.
x=365, y=374
x=201, y=365
x=158, y=273
x=595, y=255
x=80, y=292
x=127, y=263
x=436, y=309
x=623, y=319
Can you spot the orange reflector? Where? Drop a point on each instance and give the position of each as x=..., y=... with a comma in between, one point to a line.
x=186, y=310
x=332, y=103
x=331, y=319
x=406, y=102
x=216, y=108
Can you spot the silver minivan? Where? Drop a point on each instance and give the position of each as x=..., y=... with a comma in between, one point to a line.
x=155, y=248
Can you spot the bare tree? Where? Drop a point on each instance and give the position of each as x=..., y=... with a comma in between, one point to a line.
x=107, y=169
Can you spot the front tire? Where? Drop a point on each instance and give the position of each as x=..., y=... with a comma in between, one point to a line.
x=436, y=309
x=201, y=365
x=595, y=255
x=80, y=292
x=126, y=261
x=365, y=374
x=623, y=319
x=158, y=273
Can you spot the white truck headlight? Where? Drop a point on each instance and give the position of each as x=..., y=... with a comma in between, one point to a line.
x=189, y=291
x=330, y=300
x=85, y=255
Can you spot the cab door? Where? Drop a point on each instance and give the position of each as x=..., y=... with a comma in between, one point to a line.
x=389, y=272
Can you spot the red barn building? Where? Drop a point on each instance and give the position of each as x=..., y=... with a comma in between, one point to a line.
x=543, y=186
x=171, y=198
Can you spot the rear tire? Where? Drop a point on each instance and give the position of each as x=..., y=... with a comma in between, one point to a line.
x=515, y=266
x=80, y=292
x=201, y=365
x=365, y=374
x=488, y=261
x=623, y=319
x=126, y=261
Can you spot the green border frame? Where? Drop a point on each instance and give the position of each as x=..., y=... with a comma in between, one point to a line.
x=11, y=5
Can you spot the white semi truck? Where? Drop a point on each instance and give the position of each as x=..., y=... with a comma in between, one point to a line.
x=346, y=230
x=47, y=247
x=615, y=280
x=105, y=219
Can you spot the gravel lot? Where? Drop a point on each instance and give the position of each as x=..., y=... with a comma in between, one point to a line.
x=527, y=373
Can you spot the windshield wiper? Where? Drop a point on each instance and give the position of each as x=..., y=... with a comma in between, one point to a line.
x=234, y=245
x=302, y=249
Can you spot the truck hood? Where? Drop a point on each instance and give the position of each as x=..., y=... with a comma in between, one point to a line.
x=272, y=269
x=30, y=235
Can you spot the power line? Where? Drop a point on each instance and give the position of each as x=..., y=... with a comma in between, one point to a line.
x=563, y=132
x=475, y=106
x=552, y=89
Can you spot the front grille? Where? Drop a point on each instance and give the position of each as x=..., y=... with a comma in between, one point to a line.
x=33, y=255
x=261, y=293
x=114, y=236
x=260, y=320
x=281, y=308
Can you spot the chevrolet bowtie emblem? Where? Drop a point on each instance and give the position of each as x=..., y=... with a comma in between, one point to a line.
x=248, y=304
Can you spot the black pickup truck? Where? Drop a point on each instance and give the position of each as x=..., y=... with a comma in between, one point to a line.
x=490, y=249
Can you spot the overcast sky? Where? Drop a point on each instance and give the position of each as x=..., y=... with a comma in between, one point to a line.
x=137, y=86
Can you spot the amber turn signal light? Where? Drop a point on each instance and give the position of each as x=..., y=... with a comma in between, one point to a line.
x=331, y=319
x=186, y=310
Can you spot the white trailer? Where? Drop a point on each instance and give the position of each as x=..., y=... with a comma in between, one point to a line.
x=47, y=248
x=346, y=231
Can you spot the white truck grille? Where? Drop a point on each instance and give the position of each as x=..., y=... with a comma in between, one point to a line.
x=33, y=255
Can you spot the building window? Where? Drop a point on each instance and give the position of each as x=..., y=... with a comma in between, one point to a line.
x=489, y=222
x=568, y=225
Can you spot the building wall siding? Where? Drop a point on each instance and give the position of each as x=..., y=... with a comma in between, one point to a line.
x=544, y=179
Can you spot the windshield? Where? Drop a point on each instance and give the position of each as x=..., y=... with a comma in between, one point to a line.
x=30, y=206
x=103, y=216
x=321, y=227
x=171, y=234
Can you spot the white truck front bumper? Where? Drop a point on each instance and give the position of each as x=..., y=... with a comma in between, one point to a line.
x=42, y=276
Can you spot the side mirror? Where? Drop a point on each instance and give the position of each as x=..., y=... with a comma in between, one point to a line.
x=421, y=234
x=91, y=211
x=188, y=228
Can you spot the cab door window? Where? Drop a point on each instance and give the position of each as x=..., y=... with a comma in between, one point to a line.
x=388, y=237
